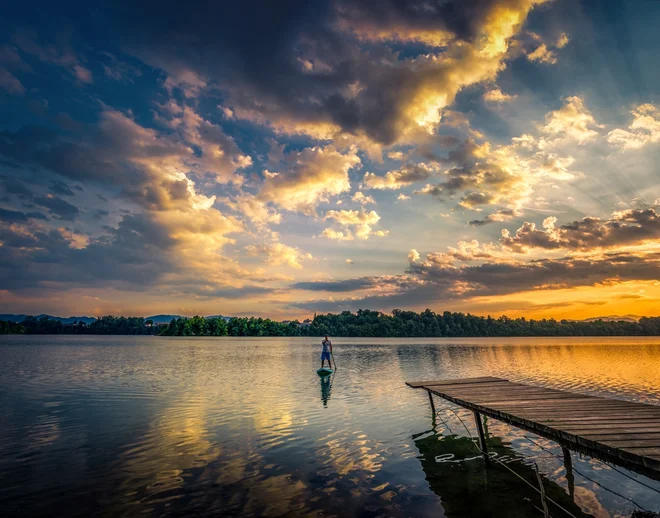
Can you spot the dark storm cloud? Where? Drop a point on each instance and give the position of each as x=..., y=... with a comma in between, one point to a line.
x=338, y=286
x=46, y=148
x=463, y=19
x=13, y=186
x=135, y=254
x=14, y=216
x=505, y=278
x=230, y=292
x=256, y=51
x=61, y=188
x=439, y=283
x=114, y=151
x=622, y=228
x=58, y=207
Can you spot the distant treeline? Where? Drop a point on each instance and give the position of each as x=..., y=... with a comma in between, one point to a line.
x=363, y=323
x=101, y=326
x=200, y=326
x=427, y=323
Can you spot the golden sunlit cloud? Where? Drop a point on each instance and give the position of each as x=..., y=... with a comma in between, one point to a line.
x=361, y=223
x=497, y=96
x=644, y=130
x=278, y=254
x=312, y=176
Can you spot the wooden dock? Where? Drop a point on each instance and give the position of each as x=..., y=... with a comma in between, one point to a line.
x=622, y=432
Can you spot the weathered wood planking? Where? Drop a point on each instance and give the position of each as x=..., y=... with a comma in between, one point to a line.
x=621, y=431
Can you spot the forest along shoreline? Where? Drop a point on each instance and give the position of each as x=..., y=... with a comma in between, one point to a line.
x=363, y=323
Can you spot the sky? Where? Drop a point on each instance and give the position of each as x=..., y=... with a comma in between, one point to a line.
x=284, y=158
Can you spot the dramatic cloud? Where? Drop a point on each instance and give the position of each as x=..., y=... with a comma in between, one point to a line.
x=497, y=216
x=346, y=285
x=15, y=216
x=61, y=55
x=10, y=64
x=278, y=254
x=362, y=198
x=599, y=254
x=628, y=227
x=497, y=96
x=545, y=54
x=407, y=175
x=10, y=83
x=433, y=280
x=463, y=252
x=317, y=81
x=484, y=176
x=214, y=151
x=504, y=278
x=60, y=208
x=178, y=236
x=572, y=121
x=148, y=166
x=644, y=130
x=61, y=188
x=311, y=177
x=167, y=251
x=119, y=70
x=255, y=210
x=356, y=224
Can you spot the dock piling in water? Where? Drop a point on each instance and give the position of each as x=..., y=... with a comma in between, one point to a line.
x=482, y=438
x=432, y=404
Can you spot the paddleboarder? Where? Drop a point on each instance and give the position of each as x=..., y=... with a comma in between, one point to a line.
x=327, y=351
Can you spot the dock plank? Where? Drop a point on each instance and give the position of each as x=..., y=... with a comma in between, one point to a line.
x=624, y=432
x=418, y=384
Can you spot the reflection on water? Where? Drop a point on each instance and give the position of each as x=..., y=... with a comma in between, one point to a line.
x=120, y=426
x=455, y=471
x=326, y=388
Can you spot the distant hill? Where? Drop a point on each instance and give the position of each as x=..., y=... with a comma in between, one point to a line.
x=162, y=319
x=615, y=318
x=158, y=319
x=166, y=319
x=8, y=317
x=220, y=316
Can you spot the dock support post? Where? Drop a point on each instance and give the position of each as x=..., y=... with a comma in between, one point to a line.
x=570, y=478
x=431, y=400
x=482, y=437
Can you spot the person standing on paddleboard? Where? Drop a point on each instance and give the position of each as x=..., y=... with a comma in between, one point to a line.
x=327, y=351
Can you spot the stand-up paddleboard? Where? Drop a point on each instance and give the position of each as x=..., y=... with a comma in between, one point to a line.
x=324, y=371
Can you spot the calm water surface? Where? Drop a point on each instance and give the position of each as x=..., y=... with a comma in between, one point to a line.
x=127, y=426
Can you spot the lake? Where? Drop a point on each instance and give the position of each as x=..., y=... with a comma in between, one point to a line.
x=127, y=426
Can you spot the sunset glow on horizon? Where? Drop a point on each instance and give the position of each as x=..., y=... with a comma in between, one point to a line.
x=279, y=159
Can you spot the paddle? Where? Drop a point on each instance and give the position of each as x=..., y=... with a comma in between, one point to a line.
x=333, y=360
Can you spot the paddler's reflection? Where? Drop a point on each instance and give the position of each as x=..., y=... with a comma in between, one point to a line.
x=326, y=387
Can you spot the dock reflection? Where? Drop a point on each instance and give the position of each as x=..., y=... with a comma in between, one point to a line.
x=468, y=486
